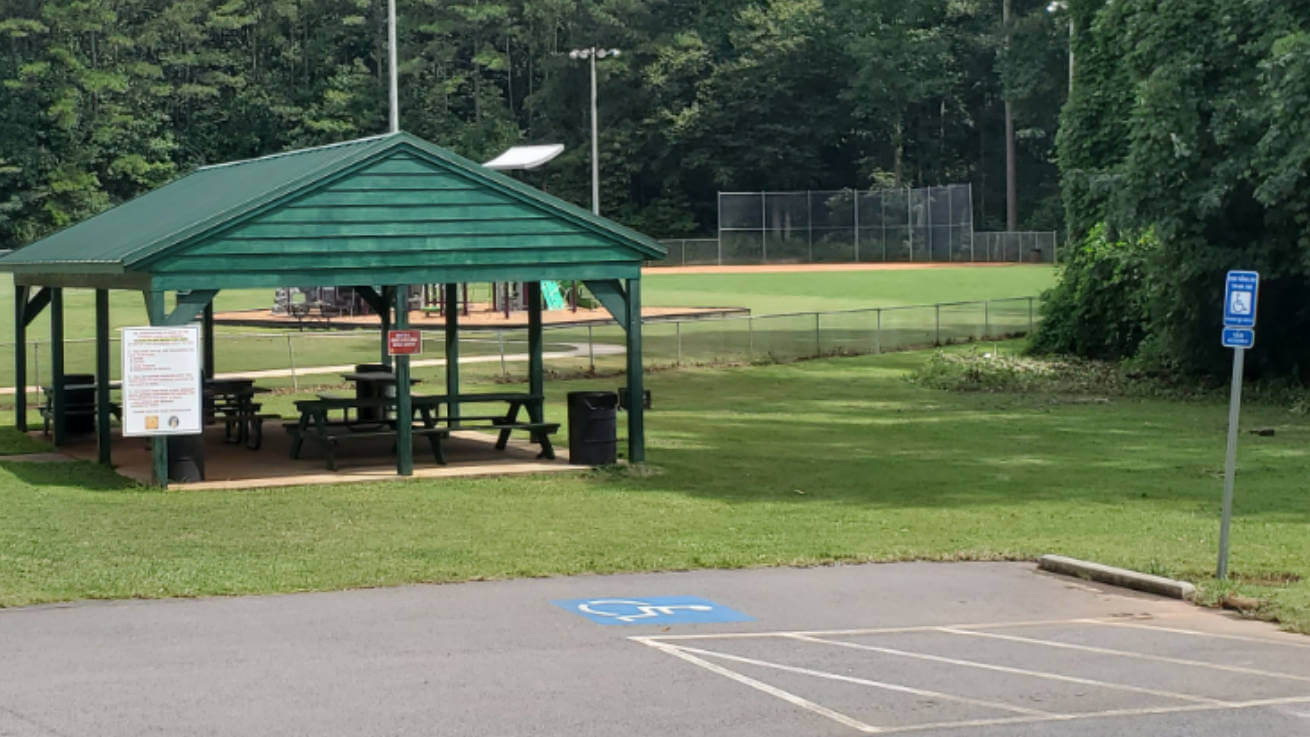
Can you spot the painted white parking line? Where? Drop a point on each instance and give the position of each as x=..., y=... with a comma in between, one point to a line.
x=1016, y=671
x=1147, y=711
x=787, y=696
x=869, y=630
x=1196, y=633
x=997, y=705
x=1125, y=654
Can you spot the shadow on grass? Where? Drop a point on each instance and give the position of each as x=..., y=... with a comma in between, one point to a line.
x=830, y=431
x=73, y=474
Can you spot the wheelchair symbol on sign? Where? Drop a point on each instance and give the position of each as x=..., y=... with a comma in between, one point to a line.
x=622, y=609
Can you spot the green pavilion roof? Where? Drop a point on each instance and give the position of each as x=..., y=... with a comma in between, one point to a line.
x=382, y=210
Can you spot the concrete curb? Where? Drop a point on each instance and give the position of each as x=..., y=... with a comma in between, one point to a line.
x=1117, y=576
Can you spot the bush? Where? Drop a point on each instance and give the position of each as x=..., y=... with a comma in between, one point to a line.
x=1099, y=308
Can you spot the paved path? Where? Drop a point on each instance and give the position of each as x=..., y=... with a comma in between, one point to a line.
x=975, y=650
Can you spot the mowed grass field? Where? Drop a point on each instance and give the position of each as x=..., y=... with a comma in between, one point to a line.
x=814, y=462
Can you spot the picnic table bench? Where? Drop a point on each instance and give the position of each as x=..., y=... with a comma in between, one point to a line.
x=368, y=418
x=316, y=426
x=80, y=405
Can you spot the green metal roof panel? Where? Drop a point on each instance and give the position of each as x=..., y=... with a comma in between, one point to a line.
x=157, y=218
x=346, y=200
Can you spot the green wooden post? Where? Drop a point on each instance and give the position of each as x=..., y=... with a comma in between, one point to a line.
x=207, y=339
x=636, y=389
x=452, y=347
x=158, y=443
x=102, y=375
x=404, y=408
x=536, y=369
x=60, y=404
x=20, y=357
x=388, y=294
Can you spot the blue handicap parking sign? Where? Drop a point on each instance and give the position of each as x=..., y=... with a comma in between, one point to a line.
x=651, y=610
x=1238, y=338
x=1239, y=299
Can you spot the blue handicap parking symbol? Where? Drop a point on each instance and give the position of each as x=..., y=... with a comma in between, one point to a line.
x=652, y=610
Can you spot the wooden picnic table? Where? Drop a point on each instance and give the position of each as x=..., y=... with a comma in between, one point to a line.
x=317, y=424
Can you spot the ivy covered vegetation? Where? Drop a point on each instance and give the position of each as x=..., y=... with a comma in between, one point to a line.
x=1184, y=152
x=103, y=99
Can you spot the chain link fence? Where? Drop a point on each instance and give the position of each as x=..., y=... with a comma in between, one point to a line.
x=296, y=359
x=927, y=224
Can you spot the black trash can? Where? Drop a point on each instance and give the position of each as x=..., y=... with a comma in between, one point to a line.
x=365, y=389
x=186, y=458
x=593, y=431
x=81, y=403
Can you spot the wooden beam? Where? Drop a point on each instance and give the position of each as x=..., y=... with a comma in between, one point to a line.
x=372, y=299
x=20, y=358
x=207, y=339
x=636, y=393
x=60, y=402
x=158, y=443
x=449, y=295
x=536, y=369
x=404, y=407
x=33, y=308
x=103, y=439
x=611, y=295
x=189, y=306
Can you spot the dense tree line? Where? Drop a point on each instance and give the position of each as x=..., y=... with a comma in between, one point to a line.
x=103, y=99
x=1184, y=152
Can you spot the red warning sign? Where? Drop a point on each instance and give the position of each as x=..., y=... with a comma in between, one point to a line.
x=404, y=342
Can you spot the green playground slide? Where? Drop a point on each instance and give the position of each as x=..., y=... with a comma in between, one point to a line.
x=553, y=294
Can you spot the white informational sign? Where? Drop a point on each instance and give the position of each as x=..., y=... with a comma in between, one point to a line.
x=161, y=381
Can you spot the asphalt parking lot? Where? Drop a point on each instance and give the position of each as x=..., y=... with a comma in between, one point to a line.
x=970, y=649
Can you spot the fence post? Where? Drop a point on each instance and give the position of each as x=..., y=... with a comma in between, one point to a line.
x=500, y=340
x=677, y=328
x=591, y=351
x=1030, y=314
x=818, y=335
x=987, y=318
x=36, y=366
x=809, y=223
x=937, y=309
x=764, y=231
x=857, y=226
x=750, y=339
x=291, y=358
x=720, y=238
x=877, y=335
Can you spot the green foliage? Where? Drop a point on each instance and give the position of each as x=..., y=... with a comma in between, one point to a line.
x=1100, y=307
x=1189, y=119
x=103, y=100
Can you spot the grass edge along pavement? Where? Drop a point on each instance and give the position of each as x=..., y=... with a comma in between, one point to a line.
x=746, y=470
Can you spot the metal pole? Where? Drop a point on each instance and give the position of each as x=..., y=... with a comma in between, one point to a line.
x=1030, y=314
x=750, y=339
x=937, y=309
x=877, y=335
x=809, y=224
x=882, y=206
x=591, y=351
x=500, y=339
x=291, y=357
x=595, y=147
x=764, y=218
x=987, y=318
x=677, y=327
x=720, y=213
x=857, y=225
x=1230, y=458
x=36, y=367
x=818, y=336
x=391, y=55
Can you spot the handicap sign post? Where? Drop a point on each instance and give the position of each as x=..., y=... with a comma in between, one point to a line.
x=1240, y=291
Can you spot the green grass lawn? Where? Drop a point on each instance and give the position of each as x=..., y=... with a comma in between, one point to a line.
x=812, y=291
x=811, y=462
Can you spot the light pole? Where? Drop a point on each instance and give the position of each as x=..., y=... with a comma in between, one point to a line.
x=592, y=54
x=1055, y=7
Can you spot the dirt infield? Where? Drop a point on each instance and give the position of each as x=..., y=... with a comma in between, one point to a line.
x=794, y=268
